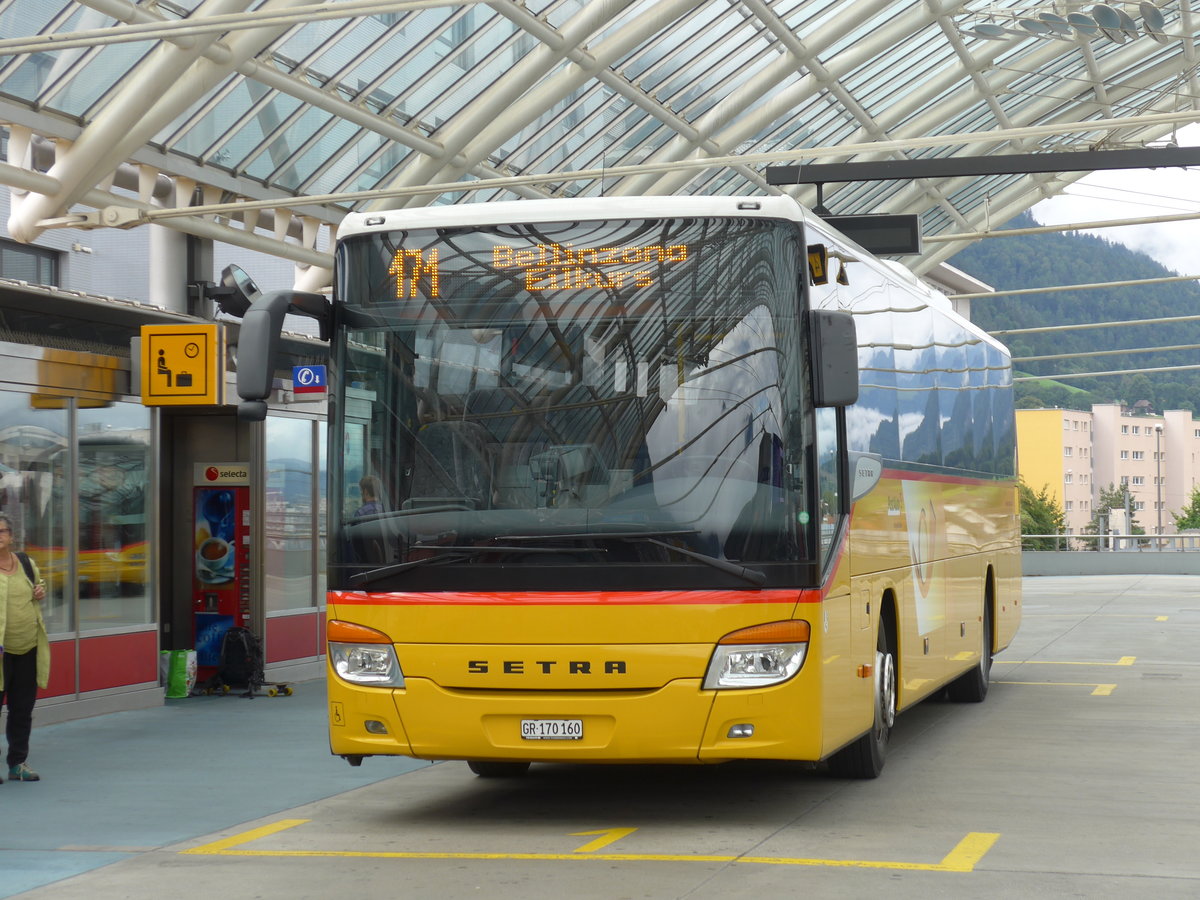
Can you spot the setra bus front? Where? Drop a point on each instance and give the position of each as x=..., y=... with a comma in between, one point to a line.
x=588, y=488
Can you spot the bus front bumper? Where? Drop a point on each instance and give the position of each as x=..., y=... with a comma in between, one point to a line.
x=677, y=723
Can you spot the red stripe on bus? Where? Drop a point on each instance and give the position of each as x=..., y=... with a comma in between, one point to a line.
x=580, y=598
x=908, y=475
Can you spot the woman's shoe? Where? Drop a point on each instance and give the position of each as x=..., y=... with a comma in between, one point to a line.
x=22, y=772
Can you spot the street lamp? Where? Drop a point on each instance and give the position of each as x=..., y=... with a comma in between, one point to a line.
x=1158, y=478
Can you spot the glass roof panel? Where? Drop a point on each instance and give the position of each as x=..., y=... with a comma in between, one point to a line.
x=276, y=162
x=97, y=74
x=676, y=69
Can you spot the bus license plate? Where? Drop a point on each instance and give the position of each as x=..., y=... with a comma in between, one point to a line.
x=552, y=729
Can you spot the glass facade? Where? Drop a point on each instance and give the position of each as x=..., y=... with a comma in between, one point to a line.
x=293, y=572
x=113, y=478
x=62, y=465
x=35, y=462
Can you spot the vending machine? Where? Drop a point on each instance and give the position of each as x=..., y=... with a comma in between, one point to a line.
x=220, y=558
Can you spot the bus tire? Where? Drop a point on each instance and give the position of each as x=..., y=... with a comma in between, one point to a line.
x=972, y=686
x=491, y=769
x=864, y=758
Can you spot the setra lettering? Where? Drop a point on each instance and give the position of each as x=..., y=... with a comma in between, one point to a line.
x=548, y=667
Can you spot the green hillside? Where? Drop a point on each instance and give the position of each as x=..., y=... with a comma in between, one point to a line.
x=1057, y=259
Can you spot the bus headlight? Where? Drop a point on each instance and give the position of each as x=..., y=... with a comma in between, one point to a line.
x=372, y=664
x=362, y=655
x=758, y=656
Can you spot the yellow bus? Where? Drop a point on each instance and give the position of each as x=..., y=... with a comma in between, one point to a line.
x=644, y=481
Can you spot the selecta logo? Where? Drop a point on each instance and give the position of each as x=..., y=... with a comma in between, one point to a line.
x=230, y=473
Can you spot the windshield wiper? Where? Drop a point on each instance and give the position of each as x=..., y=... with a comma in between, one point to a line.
x=452, y=553
x=754, y=576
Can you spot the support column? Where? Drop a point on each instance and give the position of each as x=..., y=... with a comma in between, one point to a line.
x=169, y=273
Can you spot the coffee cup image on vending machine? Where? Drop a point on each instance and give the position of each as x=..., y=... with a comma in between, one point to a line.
x=214, y=560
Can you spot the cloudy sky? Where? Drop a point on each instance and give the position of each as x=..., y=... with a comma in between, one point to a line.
x=1138, y=193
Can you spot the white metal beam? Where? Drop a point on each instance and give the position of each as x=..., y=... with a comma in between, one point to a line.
x=135, y=114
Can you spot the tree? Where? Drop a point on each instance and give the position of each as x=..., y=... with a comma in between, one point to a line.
x=1040, y=514
x=1113, y=497
x=1189, y=516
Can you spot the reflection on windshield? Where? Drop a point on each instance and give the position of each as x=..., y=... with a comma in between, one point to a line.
x=575, y=419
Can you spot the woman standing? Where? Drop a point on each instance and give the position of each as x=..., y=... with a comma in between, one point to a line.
x=24, y=649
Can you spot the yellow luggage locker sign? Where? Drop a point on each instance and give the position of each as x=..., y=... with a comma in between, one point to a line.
x=183, y=365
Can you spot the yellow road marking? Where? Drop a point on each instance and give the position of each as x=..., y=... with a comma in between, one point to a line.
x=1101, y=690
x=1123, y=661
x=963, y=858
x=607, y=836
x=1093, y=616
x=226, y=844
x=970, y=850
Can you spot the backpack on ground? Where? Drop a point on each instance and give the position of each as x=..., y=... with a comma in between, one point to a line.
x=241, y=662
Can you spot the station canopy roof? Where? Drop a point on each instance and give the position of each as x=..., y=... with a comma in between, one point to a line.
x=262, y=123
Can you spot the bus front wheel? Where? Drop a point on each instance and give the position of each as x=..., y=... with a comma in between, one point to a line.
x=865, y=757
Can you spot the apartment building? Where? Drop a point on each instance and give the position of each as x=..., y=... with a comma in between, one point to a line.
x=1054, y=450
x=1077, y=454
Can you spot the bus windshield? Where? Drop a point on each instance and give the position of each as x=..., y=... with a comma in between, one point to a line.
x=610, y=405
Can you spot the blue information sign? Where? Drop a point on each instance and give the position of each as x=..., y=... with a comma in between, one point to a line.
x=308, y=379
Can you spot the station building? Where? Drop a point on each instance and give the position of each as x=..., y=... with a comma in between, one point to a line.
x=105, y=490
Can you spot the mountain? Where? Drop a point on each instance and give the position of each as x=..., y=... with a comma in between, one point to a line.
x=1042, y=260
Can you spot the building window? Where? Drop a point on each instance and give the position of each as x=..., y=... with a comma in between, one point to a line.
x=115, y=510
x=1124, y=429
x=1066, y=451
x=1124, y=454
x=1070, y=506
x=289, y=559
x=1136, y=429
x=1067, y=478
x=1140, y=504
x=1139, y=479
x=1138, y=454
x=23, y=262
x=1124, y=479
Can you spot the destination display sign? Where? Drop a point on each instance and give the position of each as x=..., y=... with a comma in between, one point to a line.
x=544, y=267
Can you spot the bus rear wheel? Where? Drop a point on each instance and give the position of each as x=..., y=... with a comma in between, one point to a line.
x=865, y=757
x=972, y=686
x=492, y=769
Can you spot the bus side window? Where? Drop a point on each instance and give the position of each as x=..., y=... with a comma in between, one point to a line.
x=828, y=494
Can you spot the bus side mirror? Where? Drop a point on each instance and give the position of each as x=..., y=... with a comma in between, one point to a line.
x=258, y=345
x=833, y=347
